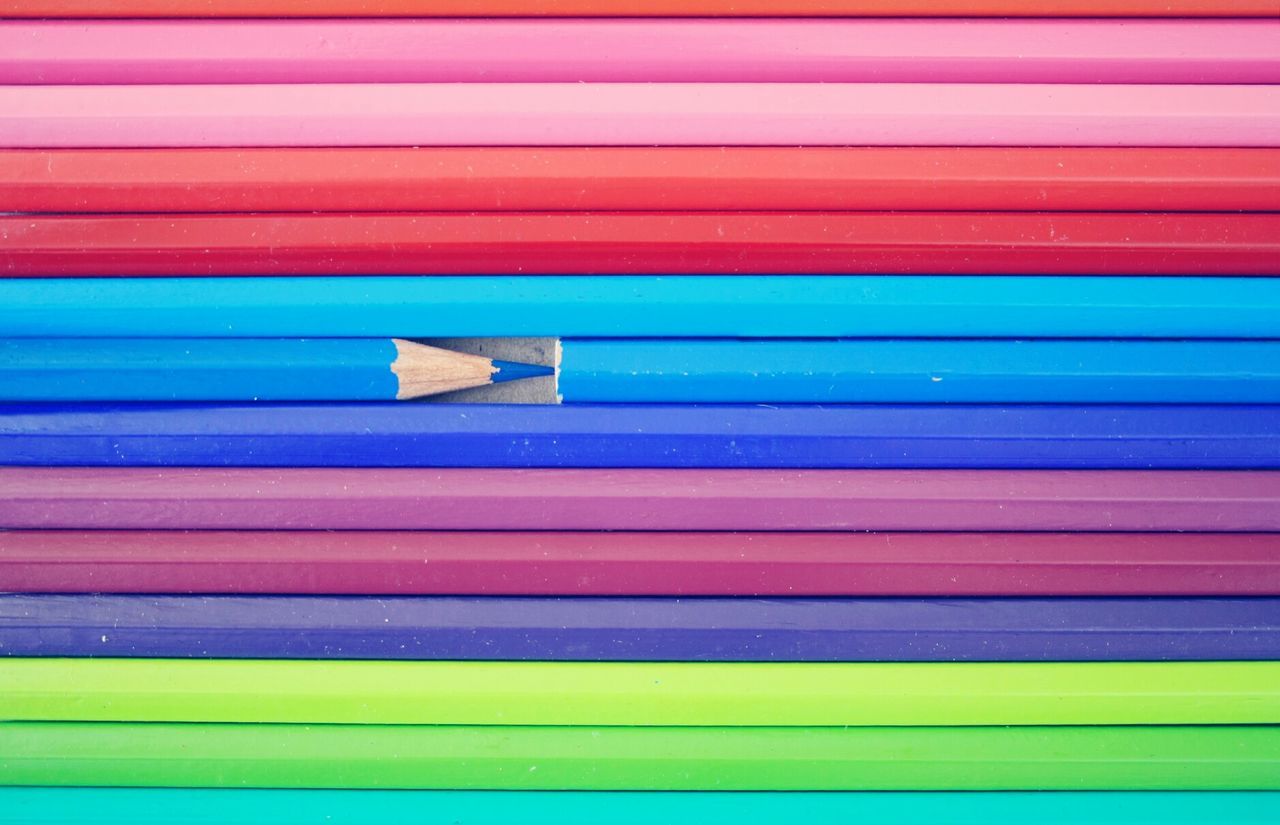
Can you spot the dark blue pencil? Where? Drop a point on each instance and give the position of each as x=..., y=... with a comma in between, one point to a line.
x=647, y=435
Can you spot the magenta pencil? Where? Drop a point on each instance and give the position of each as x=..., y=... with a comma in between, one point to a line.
x=388, y=562
x=670, y=50
x=475, y=499
x=620, y=114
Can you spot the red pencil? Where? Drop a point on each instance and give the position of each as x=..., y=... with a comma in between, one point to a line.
x=642, y=564
x=643, y=243
x=639, y=179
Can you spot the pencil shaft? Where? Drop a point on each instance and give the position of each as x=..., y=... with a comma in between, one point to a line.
x=550, y=758
x=644, y=243
x=639, y=114
x=476, y=499
x=641, y=564
x=192, y=368
x=636, y=8
x=471, y=50
x=660, y=629
x=187, y=806
x=1221, y=436
x=899, y=371
x=689, y=306
x=639, y=178
x=626, y=694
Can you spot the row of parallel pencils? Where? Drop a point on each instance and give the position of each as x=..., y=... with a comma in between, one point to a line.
x=576, y=411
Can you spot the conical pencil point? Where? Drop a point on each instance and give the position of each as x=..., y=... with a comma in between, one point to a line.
x=514, y=371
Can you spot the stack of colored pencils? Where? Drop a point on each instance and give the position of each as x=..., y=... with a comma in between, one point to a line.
x=917, y=422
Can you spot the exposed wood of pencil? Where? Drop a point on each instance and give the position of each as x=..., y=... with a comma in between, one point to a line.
x=424, y=370
x=639, y=179
x=643, y=243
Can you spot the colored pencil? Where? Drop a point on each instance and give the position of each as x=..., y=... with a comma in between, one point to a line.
x=771, y=500
x=633, y=306
x=641, y=564
x=189, y=806
x=245, y=369
x=1186, y=757
x=661, y=629
x=637, y=8
x=890, y=371
x=708, y=50
x=1220, y=436
x=664, y=694
x=639, y=178
x=643, y=243
x=861, y=371
x=639, y=114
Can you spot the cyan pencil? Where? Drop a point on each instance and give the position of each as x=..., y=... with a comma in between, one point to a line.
x=920, y=371
x=642, y=306
x=241, y=369
x=194, y=806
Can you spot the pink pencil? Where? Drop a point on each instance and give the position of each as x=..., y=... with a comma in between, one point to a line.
x=467, y=499
x=868, y=50
x=555, y=114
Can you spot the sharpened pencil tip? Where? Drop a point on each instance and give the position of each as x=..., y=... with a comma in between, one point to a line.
x=514, y=371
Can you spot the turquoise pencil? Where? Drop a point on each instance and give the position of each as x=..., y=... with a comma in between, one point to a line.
x=210, y=369
x=182, y=806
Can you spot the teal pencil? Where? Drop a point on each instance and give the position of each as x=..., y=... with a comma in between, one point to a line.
x=211, y=369
x=166, y=806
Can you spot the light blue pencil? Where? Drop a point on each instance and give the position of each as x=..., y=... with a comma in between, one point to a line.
x=246, y=369
x=631, y=370
x=688, y=306
x=915, y=371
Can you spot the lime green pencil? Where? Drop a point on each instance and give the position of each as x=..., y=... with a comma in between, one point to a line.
x=640, y=693
x=640, y=758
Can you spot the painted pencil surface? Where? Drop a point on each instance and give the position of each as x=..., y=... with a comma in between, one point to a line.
x=639, y=114
x=512, y=563
x=721, y=50
x=638, y=8
x=716, y=243
x=241, y=369
x=641, y=629
x=372, y=434
x=635, y=306
x=584, y=499
x=639, y=179
x=920, y=371
x=666, y=693
x=193, y=806
x=1188, y=757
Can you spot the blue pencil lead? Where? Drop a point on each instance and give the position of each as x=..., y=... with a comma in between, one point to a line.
x=514, y=371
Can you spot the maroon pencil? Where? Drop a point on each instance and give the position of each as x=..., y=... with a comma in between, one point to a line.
x=642, y=564
x=592, y=499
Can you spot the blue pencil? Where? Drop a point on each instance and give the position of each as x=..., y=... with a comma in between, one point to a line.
x=914, y=371
x=584, y=628
x=364, y=369
x=643, y=306
x=646, y=435
x=183, y=806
